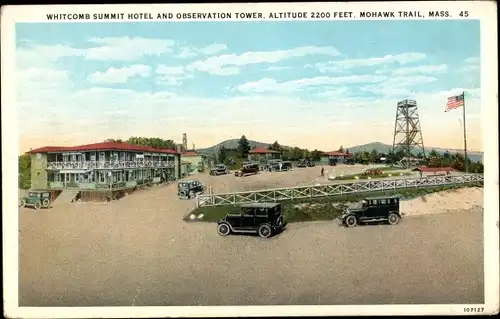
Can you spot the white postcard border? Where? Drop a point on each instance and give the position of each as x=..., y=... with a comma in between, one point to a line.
x=484, y=11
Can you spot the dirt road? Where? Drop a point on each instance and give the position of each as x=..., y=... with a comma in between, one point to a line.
x=138, y=251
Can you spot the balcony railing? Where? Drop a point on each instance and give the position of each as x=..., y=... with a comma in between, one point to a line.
x=110, y=164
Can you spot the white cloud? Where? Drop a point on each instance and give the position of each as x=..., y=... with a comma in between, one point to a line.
x=271, y=85
x=347, y=64
x=121, y=75
x=171, y=75
x=190, y=52
x=127, y=48
x=398, y=86
x=471, y=64
x=422, y=69
x=103, y=49
x=187, y=52
x=213, y=49
x=214, y=64
x=472, y=60
x=277, y=68
x=170, y=70
x=335, y=93
x=42, y=55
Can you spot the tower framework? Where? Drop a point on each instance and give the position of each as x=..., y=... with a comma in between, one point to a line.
x=408, y=139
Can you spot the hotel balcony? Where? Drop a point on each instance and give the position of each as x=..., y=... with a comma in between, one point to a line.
x=109, y=165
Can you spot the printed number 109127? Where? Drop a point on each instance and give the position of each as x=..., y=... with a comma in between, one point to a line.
x=473, y=309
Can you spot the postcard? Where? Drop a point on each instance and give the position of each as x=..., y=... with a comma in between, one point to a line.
x=259, y=159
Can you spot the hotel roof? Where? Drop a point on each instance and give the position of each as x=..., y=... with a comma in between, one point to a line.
x=102, y=147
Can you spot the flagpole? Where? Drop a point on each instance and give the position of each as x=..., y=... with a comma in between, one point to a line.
x=465, y=137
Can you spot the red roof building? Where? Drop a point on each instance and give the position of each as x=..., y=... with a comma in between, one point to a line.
x=190, y=153
x=101, y=166
x=104, y=146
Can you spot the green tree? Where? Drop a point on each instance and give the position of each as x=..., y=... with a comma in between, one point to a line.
x=433, y=153
x=296, y=154
x=276, y=147
x=222, y=155
x=374, y=156
x=24, y=178
x=243, y=146
x=316, y=155
x=154, y=142
x=434, y=161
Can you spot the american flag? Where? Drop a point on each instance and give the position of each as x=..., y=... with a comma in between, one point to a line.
x=454, y=102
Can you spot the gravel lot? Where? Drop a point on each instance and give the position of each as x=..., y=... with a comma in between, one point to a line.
x=138, y=251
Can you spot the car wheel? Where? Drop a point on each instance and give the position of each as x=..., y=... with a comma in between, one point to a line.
x=46, y=203
x=223, y=229
x=38, y=205
x=393, y=218
x=182, y=194
x=271, y=169
x=351, y=221
x=265, y=231
x=191, y=194
x=288, y=168
x=22, y=203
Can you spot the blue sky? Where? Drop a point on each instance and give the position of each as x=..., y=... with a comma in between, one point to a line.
x=306, y=83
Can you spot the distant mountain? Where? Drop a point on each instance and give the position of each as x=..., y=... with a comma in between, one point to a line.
x=385, y=148
x=379, y=146
x=231, y=144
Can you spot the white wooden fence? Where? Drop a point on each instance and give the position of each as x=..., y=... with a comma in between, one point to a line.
x=280, y=194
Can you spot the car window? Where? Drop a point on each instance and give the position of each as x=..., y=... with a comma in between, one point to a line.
x=382, y=202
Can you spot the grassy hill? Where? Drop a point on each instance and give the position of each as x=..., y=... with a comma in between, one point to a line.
x=231, y=144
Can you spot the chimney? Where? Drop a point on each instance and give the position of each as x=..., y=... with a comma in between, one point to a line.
x=184, y=141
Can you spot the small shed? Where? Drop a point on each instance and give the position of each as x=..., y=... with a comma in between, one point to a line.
x=335, y=157
x=262, y=154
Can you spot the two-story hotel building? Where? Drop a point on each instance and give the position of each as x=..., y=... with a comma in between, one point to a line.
x=102, y=166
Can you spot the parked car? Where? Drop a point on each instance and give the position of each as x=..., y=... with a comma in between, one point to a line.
x=36, y=199
x=264, y=219
x=248, y=169
x=349, y=161
x=278, y=165
x=305, y=163
x=188, y=189
x=219, y=169
x=373, y=209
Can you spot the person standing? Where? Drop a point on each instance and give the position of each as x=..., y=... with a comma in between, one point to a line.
x=322, y=171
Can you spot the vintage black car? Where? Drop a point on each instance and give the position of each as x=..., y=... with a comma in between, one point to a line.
x=373, y=209
x=219, y=169
x=305, y=163
x=247, y=169
x=278, y=165
x=188, y=189
x=264, y=219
